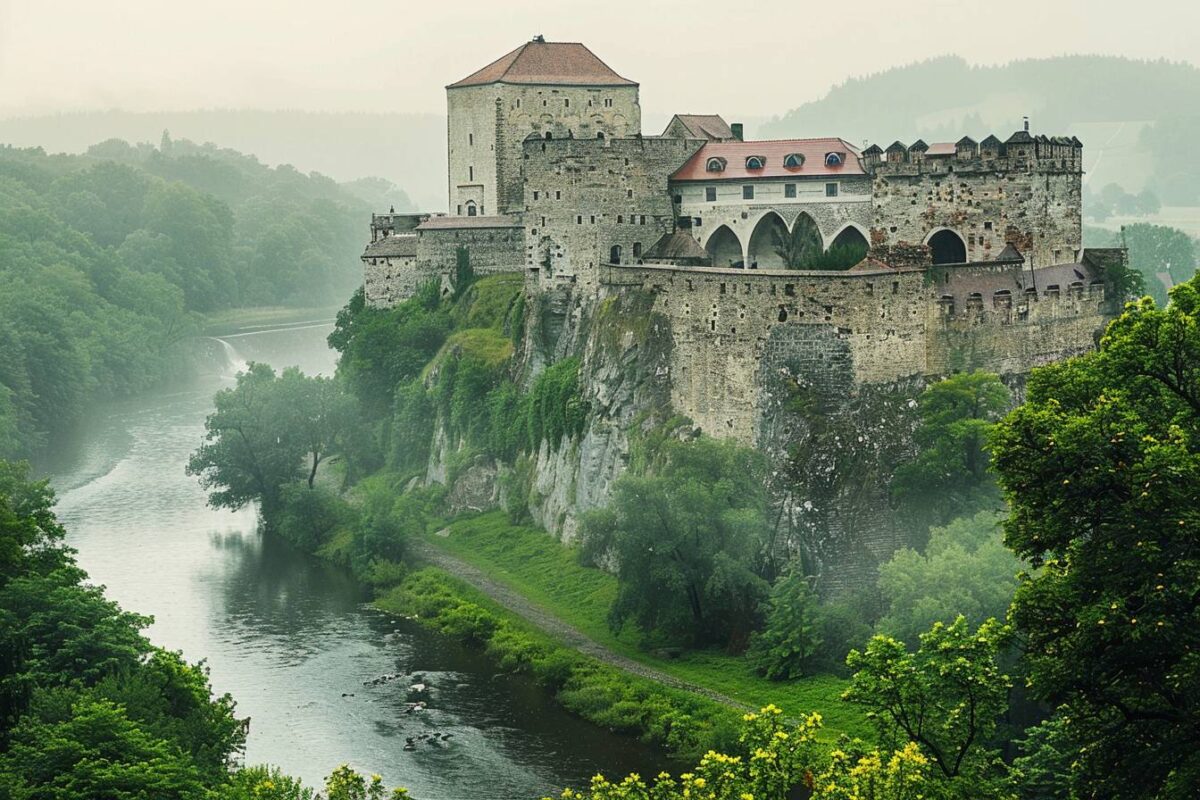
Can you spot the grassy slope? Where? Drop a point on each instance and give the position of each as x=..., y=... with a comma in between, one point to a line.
x=535, y=564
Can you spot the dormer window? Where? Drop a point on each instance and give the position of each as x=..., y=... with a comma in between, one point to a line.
x=793, y=160
x=715, y=164
x=833, y=159
x=756, y=162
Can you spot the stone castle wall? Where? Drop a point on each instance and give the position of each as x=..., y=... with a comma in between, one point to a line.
x=1034, y=204
x=491, y=250
x=487, y=126
x=585, y=196
x=389, y=281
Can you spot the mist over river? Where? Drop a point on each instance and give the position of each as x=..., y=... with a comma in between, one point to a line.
x=293, y=639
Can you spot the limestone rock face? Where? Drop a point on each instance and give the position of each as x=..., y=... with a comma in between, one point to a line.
x=475, y=488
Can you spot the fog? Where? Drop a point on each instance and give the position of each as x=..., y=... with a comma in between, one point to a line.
x=742, y=59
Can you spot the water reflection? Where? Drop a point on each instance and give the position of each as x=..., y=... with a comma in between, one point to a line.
x=291, y=638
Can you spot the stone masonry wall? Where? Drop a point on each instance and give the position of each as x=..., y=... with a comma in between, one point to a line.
x=491, y=250
x=390, y=280
x=1034, y=204
x=582, y=197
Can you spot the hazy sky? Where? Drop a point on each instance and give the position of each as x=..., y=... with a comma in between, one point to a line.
x=750, y=58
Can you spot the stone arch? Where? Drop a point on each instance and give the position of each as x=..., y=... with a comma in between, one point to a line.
x=769, y=243
x=614, y=254
x=946, y=246
x=851, y=234
x=725, y=248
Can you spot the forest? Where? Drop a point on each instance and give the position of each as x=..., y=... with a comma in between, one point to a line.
x=110, y=260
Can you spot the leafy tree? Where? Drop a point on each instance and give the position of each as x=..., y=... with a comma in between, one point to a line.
x=949, y=476
x=688, y=543
x=94, y=750
x=965, y=569
x=1158, y=248
x=1101, y=467
x=946, y=697
x=1044, y=770
x=792, y=634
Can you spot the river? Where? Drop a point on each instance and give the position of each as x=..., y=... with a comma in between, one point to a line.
x=291, y=638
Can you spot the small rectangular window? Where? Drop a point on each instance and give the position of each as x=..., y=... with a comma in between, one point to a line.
x=470, y=173
x=747, y=192
x=643, y=220
x=566, y=102
x=789, y=190
x=470, y=138
x=593, y=219
x=831, y=190
x=987, y=226
x=558, y=195
x=535, y=195
x=710, y=194
x=579, y=220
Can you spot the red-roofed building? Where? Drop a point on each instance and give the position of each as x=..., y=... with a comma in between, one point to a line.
x=546, y=89
x=748, y=200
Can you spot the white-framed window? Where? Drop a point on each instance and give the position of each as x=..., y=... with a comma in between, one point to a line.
x=755, y=162
x=831, y=190
x=793, y=160
x=715, y=164
x=833, y=159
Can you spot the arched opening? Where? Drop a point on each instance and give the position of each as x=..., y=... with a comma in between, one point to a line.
x=599, y=134
x=725, y=248
x=947, y=247
x=770, y=243
x=614, y=254
x=549, y=135
x=848, y=248
x=472, y=210
x=801, y=248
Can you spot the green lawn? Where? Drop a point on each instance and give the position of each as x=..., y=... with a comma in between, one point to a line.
x=535, y=564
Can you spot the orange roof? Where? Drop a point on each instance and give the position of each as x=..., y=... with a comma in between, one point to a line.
x=735, y=154
x=547, y=63
x=942, y=149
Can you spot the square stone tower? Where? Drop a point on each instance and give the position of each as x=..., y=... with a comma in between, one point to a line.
x=552, y=90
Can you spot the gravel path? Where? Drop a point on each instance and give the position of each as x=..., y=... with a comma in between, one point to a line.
x=546, y=622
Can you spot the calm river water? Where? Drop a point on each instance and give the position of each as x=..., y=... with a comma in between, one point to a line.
x=292, y=639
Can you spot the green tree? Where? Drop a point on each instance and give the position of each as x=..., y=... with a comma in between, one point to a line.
x=949, y=476
x=1158, y=248
x=946, y=697
x=791, y=636
x=965, y=569
x=1101, y=467
x=688, y=541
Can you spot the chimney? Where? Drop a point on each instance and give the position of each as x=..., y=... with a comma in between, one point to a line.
x=1026, y=124
x=737, y=130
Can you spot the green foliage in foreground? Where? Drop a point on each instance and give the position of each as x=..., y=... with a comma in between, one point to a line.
x=776, y=760
x=1101, y=467
x=791, y=637
x=946, y=697
x=681, y=722
x=965, y=570
x=690, y=540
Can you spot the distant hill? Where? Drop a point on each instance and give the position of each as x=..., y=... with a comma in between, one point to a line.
x=1112, y=104
x=407, y=149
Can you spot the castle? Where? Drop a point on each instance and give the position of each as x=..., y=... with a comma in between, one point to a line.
x=843, y=267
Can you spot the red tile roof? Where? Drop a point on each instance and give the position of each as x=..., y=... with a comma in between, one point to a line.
x=547, y=63
x=735, y=155
x=942, y=149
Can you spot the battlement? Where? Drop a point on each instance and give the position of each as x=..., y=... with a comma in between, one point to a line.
x=1021, y=152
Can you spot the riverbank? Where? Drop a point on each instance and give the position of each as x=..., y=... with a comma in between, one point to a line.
x=537, y=567
x=236, y=321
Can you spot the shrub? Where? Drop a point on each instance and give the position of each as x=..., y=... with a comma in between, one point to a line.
x=308, y=518
x=784, y=648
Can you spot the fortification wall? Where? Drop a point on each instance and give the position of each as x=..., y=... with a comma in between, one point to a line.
x=1033, y=204
x=583, y=197
x=388, y=281
x=868, y=327
x=491, y=250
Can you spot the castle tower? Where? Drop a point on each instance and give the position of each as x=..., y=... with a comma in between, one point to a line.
x=552, y=89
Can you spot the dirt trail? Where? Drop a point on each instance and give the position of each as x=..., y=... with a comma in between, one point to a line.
x=549, y=624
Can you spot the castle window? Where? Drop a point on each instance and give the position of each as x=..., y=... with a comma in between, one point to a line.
x=579, y=220
x=755, y=162
x=620, y=219
x=558, y=195
x=629, y=192
x=471, y=139
x=747, y=192
x=793, y=160
x=518, y=102
x=643, y=220
x=710, y=194
x=593, y=219
x=566, y=102
x=715, y=164
x=545, y=103
x=637, y=249
x=833, y=159
x=987, y=226
x=470, y=173
x=535, y=195
x=471, y=209
x=614, y=254
x=789, y=190
x=831, y=190
x=460, y=209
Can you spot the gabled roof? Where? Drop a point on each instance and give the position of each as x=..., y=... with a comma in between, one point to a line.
x=1020, y=137
x=704, y=126
x=547, y=64
x=897, y=147
x=399, y=246
x=735, y=154
x=991, y=141
x=677, y=246
x=1009, y=253
x=966, y=140
x=918, y=146
x=873, y=150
